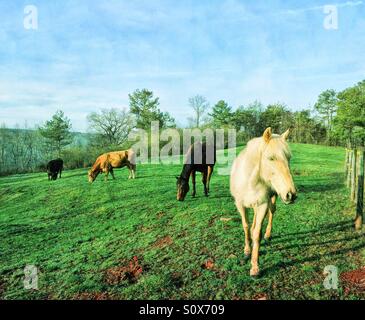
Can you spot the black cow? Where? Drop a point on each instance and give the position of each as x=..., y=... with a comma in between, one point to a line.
x=54, y=167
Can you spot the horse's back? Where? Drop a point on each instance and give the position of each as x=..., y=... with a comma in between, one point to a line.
x=242, y=169
x=201, y=155
x=118, y=159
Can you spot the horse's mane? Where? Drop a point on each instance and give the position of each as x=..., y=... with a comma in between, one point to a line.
x=256, y=146
x=96, y=166
x=284, y=145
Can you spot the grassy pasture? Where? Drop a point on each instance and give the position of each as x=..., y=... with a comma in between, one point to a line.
x=81, y=236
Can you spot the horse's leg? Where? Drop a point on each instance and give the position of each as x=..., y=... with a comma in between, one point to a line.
x=205, y=183
x=243, y=211
x=193, y=181
x=210, y=172
x=134, y=171
x=106, y=171
x=112, y=173
x=60, y=173
x=253, y=223
x=130, y=171
x=271, y=211
x=260, y=213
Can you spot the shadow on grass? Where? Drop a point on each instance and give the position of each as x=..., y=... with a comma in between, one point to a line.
x=220, y=196
x=334, y=182
x=313, y=258
x=81, y=174
x=345, y=242
x=321, y=230
x=320, y=243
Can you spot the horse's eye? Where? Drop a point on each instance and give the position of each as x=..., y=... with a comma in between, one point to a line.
x=272, y=158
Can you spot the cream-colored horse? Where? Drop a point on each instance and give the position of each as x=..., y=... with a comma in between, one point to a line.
x=259, y=174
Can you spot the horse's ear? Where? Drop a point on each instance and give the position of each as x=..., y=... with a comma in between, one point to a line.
x=285, y=135
x=267, y=135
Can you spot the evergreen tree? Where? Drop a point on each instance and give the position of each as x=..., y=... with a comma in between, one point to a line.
x=222, y=115
x=57, y=132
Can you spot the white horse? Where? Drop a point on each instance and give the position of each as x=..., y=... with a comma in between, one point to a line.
x=259, y=174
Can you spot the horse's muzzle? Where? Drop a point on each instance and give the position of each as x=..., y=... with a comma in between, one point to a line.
x=290, y=198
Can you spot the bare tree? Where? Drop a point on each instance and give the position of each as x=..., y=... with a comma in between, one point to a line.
x=113, y=124
x=3, y=144
x=200, y=106
x=17, y=148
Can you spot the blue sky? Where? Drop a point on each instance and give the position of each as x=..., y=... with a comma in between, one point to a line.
x=89, y=54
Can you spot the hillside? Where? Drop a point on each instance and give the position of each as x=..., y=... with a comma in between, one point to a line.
x=133, y=240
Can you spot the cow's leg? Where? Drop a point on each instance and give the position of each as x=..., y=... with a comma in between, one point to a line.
x=271, y=211
x=210, y=172
x=60, y=172
x=243, y=211
x=205, y=183
x=260, y=213
x=106, y=171
x=193, y=180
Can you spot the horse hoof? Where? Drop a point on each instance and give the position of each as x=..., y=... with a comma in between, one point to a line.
x=267, y=241
x=255, y=273
x=246, y=257
x=255, y=277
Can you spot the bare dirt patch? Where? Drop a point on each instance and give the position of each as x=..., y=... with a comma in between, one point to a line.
x=163, y=242
x=354, y=280
x=129, y=272
x=208, y=265
x=260, y=296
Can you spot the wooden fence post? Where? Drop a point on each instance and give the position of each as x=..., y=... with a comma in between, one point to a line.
x=353, y=176
x=347, y=164
x=349, y=168
x=360, y=219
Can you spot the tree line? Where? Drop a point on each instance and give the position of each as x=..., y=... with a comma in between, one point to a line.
x=337, y=119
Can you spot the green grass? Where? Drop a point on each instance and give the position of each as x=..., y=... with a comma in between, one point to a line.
x=75, y=232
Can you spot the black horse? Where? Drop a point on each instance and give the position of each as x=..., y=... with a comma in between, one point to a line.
x=54, y=167
x=201, y=157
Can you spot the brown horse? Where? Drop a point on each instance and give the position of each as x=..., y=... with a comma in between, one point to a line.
x=259, y=174
x=107, y=162
x=197, y=160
